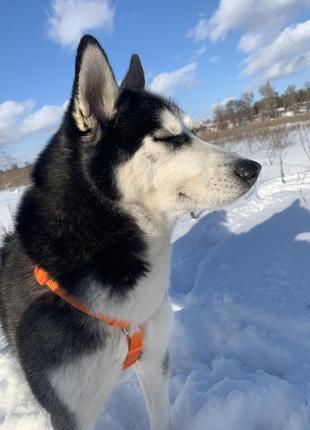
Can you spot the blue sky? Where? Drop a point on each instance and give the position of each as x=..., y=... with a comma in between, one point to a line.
x=198, y=52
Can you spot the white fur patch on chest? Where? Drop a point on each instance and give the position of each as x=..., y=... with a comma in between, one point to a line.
x=85, y=383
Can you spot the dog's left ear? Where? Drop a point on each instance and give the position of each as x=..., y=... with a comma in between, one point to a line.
x=95, y=90
x=134, y=79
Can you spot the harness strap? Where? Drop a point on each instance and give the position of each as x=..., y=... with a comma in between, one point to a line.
x=135, y=341
x=135, y=346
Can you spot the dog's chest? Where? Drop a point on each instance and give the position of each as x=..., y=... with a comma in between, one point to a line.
x=150, y=291
x=137, y=305
x=86, y=382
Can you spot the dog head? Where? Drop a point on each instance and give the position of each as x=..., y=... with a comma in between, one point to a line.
x=139, y=148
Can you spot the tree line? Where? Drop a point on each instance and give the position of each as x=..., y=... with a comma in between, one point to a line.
x=236, y=112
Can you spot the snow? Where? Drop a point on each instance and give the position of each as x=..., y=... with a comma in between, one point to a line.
x=8, y=204
x=240, y=288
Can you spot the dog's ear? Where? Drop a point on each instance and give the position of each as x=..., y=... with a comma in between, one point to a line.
x=95, y=90
x=134, y=78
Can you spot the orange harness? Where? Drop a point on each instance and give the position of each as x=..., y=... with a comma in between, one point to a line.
x=135, y=341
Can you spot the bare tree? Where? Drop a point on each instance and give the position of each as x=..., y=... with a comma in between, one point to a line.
x=247, y=100
x=304, y=136
x=219, y=116
x=279, y=141
x=239, y=113
x=265, y=143
x=290, y=97
x=269, y=100
x=230, y=111
x=307, y=93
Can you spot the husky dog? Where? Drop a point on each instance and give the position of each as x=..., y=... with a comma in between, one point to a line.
x=97, y=218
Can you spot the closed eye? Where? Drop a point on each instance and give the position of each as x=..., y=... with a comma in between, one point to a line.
x=175, y=140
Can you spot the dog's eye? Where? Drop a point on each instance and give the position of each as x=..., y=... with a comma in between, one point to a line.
x=175, y=140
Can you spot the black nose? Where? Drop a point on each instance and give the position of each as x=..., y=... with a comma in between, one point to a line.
x=248, y=170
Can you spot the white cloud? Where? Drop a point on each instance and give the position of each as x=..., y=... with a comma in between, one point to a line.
x=69, y=19
x=214, y=59
x=202, y=49
x=249, y=41
x=43, y=120
x=10, y=110
x=166, y=82
x=200, y=31
x=199, y=52
x=19, y=120
x=252, y=15
x=258, y=17
x=286, y=54
x=271, y=50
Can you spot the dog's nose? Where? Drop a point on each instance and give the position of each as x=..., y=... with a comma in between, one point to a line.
x=248, y=170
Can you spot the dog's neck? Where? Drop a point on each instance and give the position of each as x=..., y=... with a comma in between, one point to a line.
x=150, y=290
x=153, y=223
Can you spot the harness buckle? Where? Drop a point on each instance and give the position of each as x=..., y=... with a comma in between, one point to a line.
x=125, y=331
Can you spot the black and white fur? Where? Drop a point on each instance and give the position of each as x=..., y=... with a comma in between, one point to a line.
x=98, y=218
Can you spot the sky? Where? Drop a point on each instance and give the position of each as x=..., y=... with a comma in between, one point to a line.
x=198, y=52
